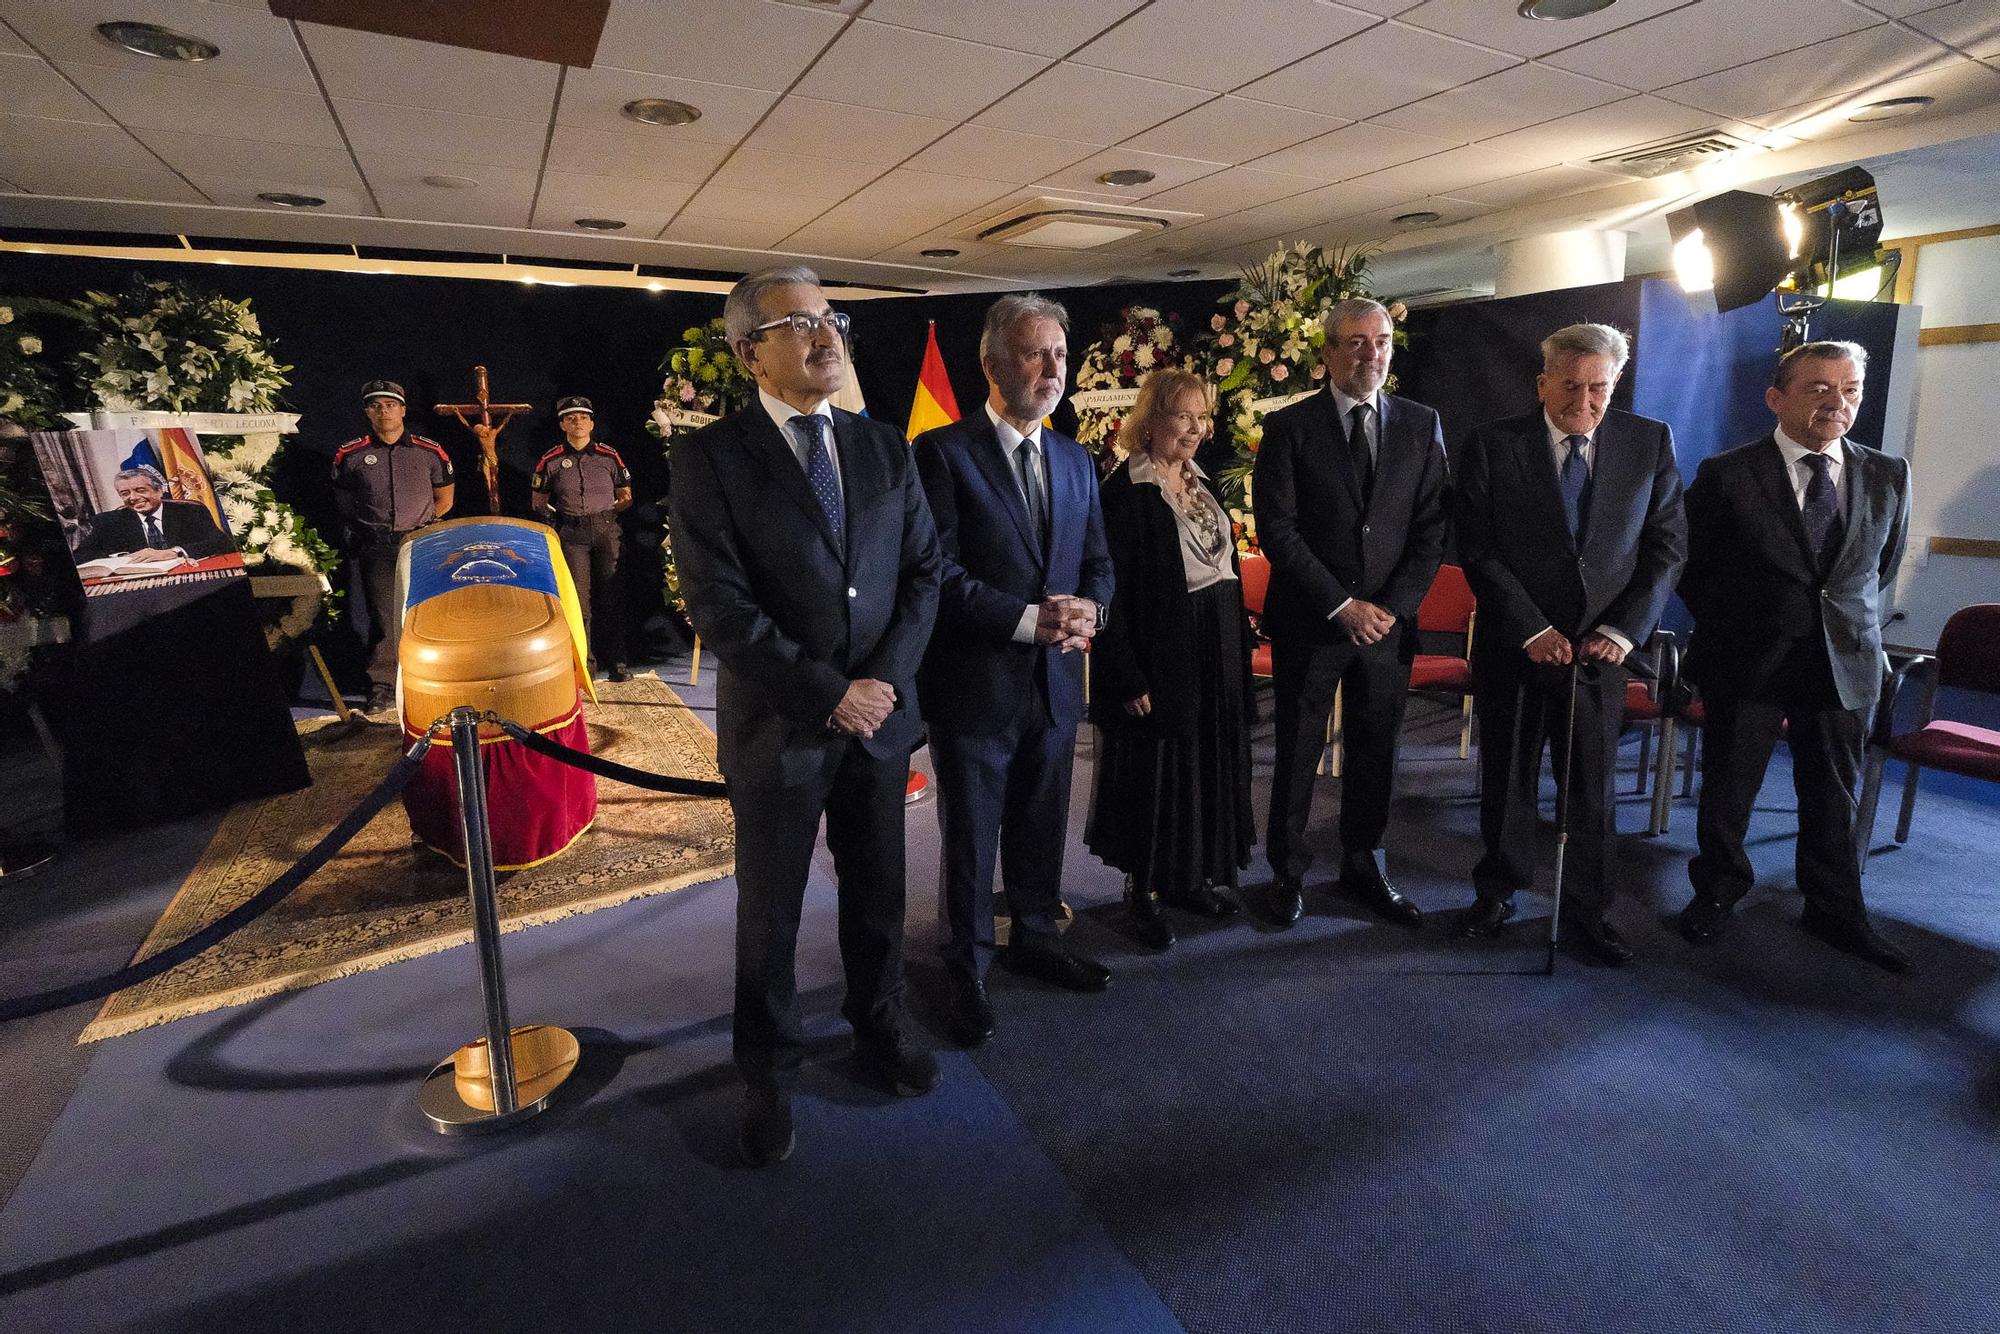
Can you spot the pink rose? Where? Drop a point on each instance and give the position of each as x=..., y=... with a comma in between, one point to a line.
x=1226, y=365
x=687, y=392
x=1217, y=323
x=1280, y=371
x=1242, y=309
x=1319, y=369
x=1227, y=340
x=1267, y=356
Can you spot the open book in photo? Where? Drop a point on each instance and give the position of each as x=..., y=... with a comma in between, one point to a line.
x=127, y=567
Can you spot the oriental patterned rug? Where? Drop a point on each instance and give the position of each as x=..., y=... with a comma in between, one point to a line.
x=383, y=899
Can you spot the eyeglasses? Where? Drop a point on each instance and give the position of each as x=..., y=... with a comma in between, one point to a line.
x=805, y=325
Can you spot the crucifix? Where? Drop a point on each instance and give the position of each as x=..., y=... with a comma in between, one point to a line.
x=485, y=430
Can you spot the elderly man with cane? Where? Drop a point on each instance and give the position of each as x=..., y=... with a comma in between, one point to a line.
x=1571, y=531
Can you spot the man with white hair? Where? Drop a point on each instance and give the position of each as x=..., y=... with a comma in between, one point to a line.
x=148, y=525
x=1571, y=530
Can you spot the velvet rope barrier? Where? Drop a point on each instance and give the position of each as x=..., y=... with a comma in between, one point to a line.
x=244, y=913
x=622, y=773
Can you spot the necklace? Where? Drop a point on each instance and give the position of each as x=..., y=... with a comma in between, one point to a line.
x=1194, y=507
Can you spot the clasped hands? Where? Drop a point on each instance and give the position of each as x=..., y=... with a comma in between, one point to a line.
x=1551, y=648
x=865, y=707
x=1365, y=622
x=1066, y=622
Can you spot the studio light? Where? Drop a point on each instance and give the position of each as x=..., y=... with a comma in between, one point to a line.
x=1732, y=245
x=1694, y=267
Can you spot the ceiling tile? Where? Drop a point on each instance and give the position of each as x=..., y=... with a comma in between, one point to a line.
x=837, y=130
x=1896, y=9
x=1475, y=164
x=1091, y=105
x=969, y=255
x=1232, y=189
x=578, y=195
x=501, y=199
x=648, y=156
x=1509, y=100
x=899, y=69
x=150, y=100
x=1502, y=26
x=67, y=157
x=1262, y=35
x=1020, y=25
x=1327, y=204
x=1588, y=134
x=348, y=199
x=1832, y=69
x=1380, y=225
x=640, y=224
x=931, y=197
x=1232, y=129
x=809, y=178
x=369, y=67
x=1960, y=85
x=784, y=211
x=35, y=89
x=1167, y=173
x=376, y=127
x=761, y=45
x=996, y=154
x=258, y=50
x=12, y=45
x=846, y=240
x=1545, y=183
x=595, y=99
x=1971, y=26
x=748, y=234
x=1704, y=38
x=1352, y=150
x=1386, y=8
x=257, y=163
x=1384, y=67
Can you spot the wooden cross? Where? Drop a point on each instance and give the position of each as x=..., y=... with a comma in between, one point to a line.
x=485, y=430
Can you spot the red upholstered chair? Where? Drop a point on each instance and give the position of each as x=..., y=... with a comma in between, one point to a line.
x=1255, y=569
x=1646, y=708
x=1449, y=608
x=1967, y=658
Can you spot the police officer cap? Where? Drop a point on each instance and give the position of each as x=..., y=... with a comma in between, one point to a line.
x=382, y=389
x=565, y=406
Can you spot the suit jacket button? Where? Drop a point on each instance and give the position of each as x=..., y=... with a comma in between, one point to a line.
x=851, y=593
x=1365, y=530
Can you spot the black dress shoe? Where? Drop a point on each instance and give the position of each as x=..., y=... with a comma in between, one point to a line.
x=1071, y=972
x=380, y=699
x=619, y=672
x=1386, y=899
x=1702, y=920
x=767, y=1136
x=1856, y=938
x=1288, y=899
x=1148, y=922
x=1483, y=920
x=1599, y=939
x=1204, y=901
x=968, y=1019
x=890, y=1059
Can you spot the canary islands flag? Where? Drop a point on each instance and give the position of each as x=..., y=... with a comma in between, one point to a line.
x=934, y=405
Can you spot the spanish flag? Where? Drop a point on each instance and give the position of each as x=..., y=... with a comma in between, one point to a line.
x=187, y=479
x=934, y=405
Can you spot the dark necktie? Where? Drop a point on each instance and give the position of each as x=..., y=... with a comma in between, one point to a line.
x=1821, y=511
x=1031, y=487
x=154, y=538
x=1575, y=479
x=819, y=471
x=1357, y=442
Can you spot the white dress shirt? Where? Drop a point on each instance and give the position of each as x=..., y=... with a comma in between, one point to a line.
x=1559, y=451
x=781, y=414
x=1799, y=472
x=1010, y=440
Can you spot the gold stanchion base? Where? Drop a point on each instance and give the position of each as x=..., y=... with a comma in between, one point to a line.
x=456, y=1097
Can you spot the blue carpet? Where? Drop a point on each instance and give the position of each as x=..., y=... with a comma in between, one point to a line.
x=1338, y=1127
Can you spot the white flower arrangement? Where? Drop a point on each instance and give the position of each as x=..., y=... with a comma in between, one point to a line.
x=1108, y=376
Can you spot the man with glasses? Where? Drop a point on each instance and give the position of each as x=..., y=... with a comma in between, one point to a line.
x=1793, y=545
x=1350, y=497
x=810, y=569
x=1027, y=579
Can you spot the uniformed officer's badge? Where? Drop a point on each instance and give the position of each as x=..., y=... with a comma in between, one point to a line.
x=368, y=458
x=569, y=463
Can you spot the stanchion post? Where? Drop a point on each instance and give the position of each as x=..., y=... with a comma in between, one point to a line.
x=473, y=821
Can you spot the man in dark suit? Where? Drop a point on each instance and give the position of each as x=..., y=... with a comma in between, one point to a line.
x=810, y=568
x=1027, y=577
x=1349, y=490
x=1794, y=541
x=1571, y=530
x=150, y=525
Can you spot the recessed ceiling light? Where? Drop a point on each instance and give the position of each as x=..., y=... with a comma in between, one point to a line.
x=1890, y=108
x=284, y=199
x=1556, y=10
x=600, y=224
x=942, y=252
x=1421, y=218
x=1129, y=176
x=661, y=111
x=443, y=182
x=150, y=39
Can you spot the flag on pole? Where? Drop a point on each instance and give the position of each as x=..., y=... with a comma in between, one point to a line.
x=934, y=404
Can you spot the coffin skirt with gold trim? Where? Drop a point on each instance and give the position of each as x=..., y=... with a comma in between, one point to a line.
x=537, y=807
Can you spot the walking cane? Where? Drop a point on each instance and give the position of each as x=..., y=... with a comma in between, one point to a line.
x=1562, y=807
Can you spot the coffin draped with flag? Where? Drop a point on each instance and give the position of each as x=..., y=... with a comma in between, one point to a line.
x=491, y=620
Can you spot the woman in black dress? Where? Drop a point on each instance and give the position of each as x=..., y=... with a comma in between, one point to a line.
x=1171, y=803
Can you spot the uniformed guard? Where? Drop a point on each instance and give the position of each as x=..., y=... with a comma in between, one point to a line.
x=581, y=487
x=388, y=484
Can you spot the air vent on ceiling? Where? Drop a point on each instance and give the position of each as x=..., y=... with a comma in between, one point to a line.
x=1063, y=224
x=1665, y=155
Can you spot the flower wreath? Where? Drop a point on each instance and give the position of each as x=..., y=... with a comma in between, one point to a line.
x=1107, y=379
x=704, y=381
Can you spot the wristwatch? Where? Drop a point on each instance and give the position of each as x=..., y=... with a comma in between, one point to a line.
x=1103, y=613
